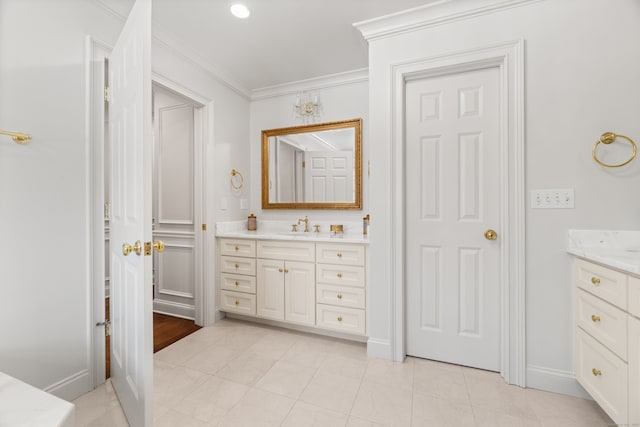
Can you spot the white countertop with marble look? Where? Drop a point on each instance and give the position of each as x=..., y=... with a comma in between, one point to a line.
x=25, y=405
x=613, y=248
x=281, y=230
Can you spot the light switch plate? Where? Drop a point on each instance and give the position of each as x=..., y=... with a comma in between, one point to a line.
x=557, y=198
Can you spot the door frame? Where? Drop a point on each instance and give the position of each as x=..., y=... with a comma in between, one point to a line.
x=95, y=54
x=509, y=59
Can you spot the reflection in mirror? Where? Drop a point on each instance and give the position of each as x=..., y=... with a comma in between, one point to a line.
x=312, y=167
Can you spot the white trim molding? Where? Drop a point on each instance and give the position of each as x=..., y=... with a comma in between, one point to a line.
x=555, y=380
x=509, y=59
x=71, y=387
x=332, y=80
x=431, y=15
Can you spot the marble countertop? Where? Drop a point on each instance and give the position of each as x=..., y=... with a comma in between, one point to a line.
x=24, y=405
x=280, y=230
x=616, y=249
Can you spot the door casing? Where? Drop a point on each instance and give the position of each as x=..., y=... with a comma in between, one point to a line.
x=509, y=58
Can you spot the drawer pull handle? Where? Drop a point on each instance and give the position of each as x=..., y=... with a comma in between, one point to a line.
x=237, y=283
x=595, y=318
x=237, y=248
x=237, y=302
x=280, y=270
x=596, y=372
x=339, y=318
x=339, y=275
x=339, y=296
x=339, y=255
x=595, y=280
x=237, y=266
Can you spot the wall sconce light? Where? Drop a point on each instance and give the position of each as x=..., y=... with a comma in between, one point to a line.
x=307, y=107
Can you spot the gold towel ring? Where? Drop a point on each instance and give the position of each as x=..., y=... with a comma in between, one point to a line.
x=608, y=138
x=234, y=175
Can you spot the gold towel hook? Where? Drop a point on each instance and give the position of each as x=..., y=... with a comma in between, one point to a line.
x=234, y=174
x=18, y=137
x=608, y=138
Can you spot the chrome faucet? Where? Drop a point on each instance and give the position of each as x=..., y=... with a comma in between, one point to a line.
x=306, y=223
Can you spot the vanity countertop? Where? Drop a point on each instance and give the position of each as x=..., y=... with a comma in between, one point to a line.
x=276, y=230
x=616, y=249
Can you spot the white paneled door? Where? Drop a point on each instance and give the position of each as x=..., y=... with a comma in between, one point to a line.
x=329, y=176
x=130, y=132
x=452, y=215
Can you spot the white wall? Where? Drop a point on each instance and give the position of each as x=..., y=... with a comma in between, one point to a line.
x=582, y=79
x=339, y=102
x=44, y=186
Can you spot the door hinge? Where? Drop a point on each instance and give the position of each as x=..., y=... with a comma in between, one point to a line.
x=107, y=211
x=107, y=327
x=106, y=94
x=204, y=227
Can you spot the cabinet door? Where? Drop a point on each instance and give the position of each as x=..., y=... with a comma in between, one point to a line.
x=634, y=371
x=270, y=292
x=299, y=292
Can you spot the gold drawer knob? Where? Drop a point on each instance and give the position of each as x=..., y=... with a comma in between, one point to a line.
x=237, y=283
x=339, y=318
x=286, y=270
x=596, y=372
x=339, y=296
x=595, y=318
x=595, y=280
x=237, y=248
x=280, y=270
x=339, y=275
x=237, y=302
x=237, y=266
x=339, y=255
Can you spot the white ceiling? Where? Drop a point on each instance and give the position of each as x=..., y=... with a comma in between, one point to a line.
x=282, y=41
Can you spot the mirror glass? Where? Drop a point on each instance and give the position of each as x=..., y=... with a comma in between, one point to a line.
x=317, y=166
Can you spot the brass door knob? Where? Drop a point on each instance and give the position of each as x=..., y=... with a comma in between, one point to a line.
x=127, y=248
x=158, y=246
x=490, y=234
x=595, y=318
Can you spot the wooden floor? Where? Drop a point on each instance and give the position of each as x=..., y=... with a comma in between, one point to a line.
x=166, y=331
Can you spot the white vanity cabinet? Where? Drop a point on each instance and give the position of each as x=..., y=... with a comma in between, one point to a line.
x=286, y=281
x=607, y=352
x=321, y=285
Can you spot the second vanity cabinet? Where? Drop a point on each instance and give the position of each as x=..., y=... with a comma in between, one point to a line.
x=320, y=285
x=607, y=315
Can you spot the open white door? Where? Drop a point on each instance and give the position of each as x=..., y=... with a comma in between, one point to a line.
x=131, y=299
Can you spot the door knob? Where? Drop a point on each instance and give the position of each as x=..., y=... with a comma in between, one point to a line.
x=127, y=248
x=149, y=247
x=490, y=235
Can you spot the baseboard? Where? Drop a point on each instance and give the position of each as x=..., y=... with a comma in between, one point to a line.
x=554, y=380
x=71, y=387
x=379, y=348
x=175, y=309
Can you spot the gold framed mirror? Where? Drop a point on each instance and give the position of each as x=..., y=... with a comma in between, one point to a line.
x=317, y=166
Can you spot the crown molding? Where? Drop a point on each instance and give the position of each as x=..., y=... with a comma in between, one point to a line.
x=431, y=15
x=162, y=38
x=360, y=75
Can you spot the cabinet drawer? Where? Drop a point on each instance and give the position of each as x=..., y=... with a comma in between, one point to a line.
x=345, y=275
x=238, y=265
x=237, y=302
x=344, y=254
x=603, y=321
x=238, y=247
x=340, y=296
x=237, y=282
x=634, y=296
x=608, y=284
x=634, y=372
x=341, y=319
x=603, y=375
x=292, y=251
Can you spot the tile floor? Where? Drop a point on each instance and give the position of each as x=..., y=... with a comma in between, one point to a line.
x=242, y=374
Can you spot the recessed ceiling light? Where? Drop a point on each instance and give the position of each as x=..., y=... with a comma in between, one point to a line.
x=240, y=11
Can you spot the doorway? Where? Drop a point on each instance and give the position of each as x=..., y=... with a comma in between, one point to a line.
x=452, y=180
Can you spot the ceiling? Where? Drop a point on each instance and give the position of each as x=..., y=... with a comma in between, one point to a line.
x=282, y=41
